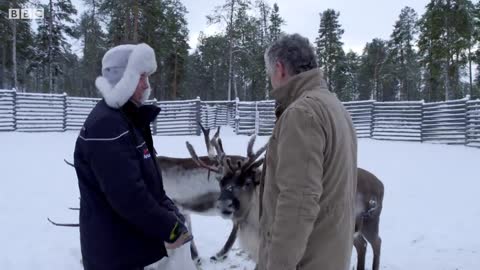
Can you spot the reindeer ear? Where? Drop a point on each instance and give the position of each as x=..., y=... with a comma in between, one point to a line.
x=256, y=164
x=230, y=165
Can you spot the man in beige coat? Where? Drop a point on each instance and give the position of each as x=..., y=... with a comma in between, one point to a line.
x=308, y=190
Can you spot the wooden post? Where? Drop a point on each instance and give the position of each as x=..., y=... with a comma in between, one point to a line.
x=372, y=114
x=14, y=96
x=154, y=131
x=228, y=106
x=467, y=98
x=237, y=116
x=423, y=118
x=64, y=111
x=198, y=116
x=257, y=118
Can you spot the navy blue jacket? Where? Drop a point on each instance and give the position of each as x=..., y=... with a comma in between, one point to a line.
x=125, y=215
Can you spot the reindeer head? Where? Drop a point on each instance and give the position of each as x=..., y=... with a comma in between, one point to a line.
x=237, y=179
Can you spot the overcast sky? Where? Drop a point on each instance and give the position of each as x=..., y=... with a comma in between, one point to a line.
x=362, y=20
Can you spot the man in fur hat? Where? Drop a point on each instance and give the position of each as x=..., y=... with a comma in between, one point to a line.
x=126, y=220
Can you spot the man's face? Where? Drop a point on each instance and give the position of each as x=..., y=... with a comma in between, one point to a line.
x=142, y=86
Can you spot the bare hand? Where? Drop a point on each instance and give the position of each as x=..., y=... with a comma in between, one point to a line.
x=180, y=241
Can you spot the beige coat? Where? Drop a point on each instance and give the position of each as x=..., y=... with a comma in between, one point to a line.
x=307, y=194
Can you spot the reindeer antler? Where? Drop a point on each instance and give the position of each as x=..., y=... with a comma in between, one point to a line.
x=199, y=162
x=253, y=156
x=209, y=143
x=69, y=163
x=63, y=224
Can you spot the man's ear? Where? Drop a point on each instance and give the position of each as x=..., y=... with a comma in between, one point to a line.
x=280, y=67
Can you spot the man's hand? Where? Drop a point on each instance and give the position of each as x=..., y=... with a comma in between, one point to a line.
x=184, y=238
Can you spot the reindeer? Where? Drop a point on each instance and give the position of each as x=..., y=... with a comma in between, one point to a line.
x=239, y=201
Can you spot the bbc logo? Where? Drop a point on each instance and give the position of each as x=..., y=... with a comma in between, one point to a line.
x=26, y=13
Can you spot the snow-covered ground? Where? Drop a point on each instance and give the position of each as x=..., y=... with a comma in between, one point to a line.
x=430, y=219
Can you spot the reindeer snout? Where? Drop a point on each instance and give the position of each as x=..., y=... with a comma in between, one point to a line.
x=225, y=204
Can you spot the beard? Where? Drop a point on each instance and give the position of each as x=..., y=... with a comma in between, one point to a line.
x=146, y=95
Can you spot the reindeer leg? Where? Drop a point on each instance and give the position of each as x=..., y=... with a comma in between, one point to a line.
x=222, y=254
x=371, y=234
x=193, y=247
x=361, y=247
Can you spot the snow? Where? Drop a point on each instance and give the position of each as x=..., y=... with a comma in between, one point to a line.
x=430, y=218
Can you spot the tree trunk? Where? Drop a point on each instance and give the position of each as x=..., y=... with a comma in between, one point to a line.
x=91, y=90
x=267, y=86
x=265, y=40
x=244, y=83
x=128, y=24
x=14, y=52
x=230, y=52
x=447, y=66
x=470, y=69
x=3, y=82
x=175, y=67
x=403, y=86
x=235, y=86
x=50, y=44
x=135, y=21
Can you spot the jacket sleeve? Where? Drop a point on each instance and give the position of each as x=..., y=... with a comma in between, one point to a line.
x=116, y=165
x=298, y=173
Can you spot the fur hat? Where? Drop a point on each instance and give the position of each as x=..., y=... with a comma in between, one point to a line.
x=122, y=67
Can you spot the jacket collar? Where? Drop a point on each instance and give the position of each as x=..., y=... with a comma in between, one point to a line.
x=140, y=115
x=296, y=87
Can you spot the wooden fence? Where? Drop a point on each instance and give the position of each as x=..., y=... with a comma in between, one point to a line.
x=77, y=110
x=473, y=123
x=451, y=122
x=255, y=117
x=361, y=113
x=7, y=110
x=445, y=122
x=401, y=121
x=218, y=113
x=178, y=118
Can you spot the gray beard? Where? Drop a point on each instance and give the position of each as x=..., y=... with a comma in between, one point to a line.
x=146, y=94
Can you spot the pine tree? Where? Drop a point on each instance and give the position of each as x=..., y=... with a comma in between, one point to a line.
x=264, y=11
x=177, y=53
x=373, y=66
x=475, y=56
x=15, y=47
x=445, y=38
x=329, y=49
x=403, y=55
x=94, y=43
x=228, y=13
x=51, y=44
x=207, y=68
x=352, y=68
x=276, y=22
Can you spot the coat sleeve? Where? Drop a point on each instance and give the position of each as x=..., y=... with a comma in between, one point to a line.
x=298, y=172
x=116, y=166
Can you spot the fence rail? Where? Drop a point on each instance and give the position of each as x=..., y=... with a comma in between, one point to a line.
x=361, y=114
x=397, y=121
x=473, y=123
x=451, y=122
